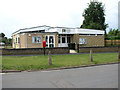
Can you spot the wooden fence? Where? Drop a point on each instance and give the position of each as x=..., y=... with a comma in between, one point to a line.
x=97, y=49
x=112, y=42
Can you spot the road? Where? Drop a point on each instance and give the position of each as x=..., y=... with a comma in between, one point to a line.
x=104, y=76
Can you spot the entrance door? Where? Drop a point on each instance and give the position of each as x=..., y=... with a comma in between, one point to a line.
x=63, y=41
x=50, y=41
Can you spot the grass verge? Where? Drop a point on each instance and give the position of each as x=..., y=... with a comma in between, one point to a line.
x=41, y=62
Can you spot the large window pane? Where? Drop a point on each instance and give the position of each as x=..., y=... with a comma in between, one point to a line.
x=51, y=39
x=82, y=40
x=58, y=39
x=46, y=39
x=36, y=39
x=18, y=40
x=63, y=39
x=68, y=39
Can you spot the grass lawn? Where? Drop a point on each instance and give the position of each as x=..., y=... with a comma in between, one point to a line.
x=41, y=62
x=8, y=47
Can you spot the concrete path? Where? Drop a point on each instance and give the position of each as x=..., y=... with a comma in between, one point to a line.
x=104, y=76
x=2, y=47
x=73, y=51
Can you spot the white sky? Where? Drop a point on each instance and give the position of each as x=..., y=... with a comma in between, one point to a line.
x=17, y=14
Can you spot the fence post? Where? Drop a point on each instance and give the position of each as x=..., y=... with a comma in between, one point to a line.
x=91, y=56
x=44, y=51
x=78, y=48
x=49, y=58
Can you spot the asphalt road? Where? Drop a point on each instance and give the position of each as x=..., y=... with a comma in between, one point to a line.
x=104, y=76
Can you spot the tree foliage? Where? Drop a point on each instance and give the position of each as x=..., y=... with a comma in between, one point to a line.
x=113, y=34
x=2, y=35
x=3, y=39
x=10, y=41
x=94, y=17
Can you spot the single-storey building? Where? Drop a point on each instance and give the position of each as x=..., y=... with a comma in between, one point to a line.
x=57, y=37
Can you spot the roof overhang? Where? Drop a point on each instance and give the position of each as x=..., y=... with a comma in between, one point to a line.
x=59, y=30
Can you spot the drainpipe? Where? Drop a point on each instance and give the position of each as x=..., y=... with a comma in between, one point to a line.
x=26, y=39
x=20, y=41
x=76, y=38
x=75, y=41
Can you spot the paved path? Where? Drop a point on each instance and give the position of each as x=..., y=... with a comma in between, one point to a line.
x=104, y=76
x=73, y=51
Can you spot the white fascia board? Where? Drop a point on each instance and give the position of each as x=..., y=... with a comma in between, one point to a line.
x=32, y=29
x=59, y=30
x=68, y=30
x=90, y=31
x=52, y=30
x=77, y=31
x=35, y=29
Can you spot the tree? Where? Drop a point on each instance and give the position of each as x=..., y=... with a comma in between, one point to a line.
x=10, y=41
x=2, y=35
x=113, y=34
x=94, y=17
x=3, y=38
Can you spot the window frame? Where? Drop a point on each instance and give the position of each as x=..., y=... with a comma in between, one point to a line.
x=18, y=40
x=33, y=39
x=83, y=41
x=64, y=39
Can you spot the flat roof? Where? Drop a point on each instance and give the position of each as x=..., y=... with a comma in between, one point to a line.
x=69, y=30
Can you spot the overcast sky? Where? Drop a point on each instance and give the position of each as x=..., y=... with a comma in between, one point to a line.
x=18, y=14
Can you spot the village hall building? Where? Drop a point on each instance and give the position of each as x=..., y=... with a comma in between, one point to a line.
x=57, y=37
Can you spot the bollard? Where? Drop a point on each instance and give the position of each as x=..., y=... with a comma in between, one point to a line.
x=91, y=56
x=77, y=48
x=44, y=51
x=49, y=58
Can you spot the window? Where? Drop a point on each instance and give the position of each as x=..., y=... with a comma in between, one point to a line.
x=82, y=40
x=100, y=34
x=58, y=39
x=14, y=40
x=63, y=30
x=68, y=39
x=63, y=39
x=18, y=39
x=46, y=39
x=36, y=39
x=51, y=39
